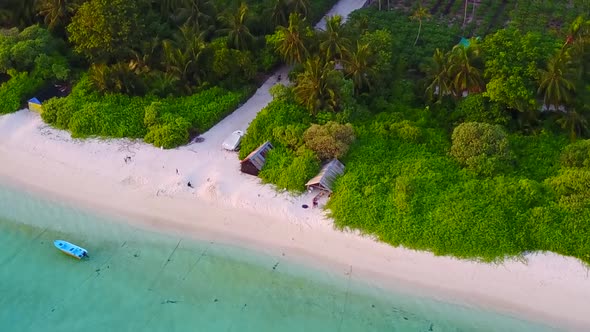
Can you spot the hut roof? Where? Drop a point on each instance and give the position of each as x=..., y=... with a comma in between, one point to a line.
x=34, y=100
x=327, y=175
x=256, y=157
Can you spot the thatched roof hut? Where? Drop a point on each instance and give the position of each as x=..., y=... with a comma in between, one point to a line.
x=253, y=163
x=325, y=178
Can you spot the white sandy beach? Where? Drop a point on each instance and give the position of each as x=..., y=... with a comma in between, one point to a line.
x=226, y=205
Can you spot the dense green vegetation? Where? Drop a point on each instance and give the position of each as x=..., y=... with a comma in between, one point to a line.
x=161, y=70
x=477, y=151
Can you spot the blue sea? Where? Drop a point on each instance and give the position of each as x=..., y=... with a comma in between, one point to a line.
x=138, y=280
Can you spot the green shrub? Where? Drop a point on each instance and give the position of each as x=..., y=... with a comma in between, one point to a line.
x=474, y=142
x=267, y=58
x=289, y=170
x=572, y=187
x=52, y=67
x=163, y=122
x=64, y=114
x=169, y=135
x=282, y=93
x=85, y=122
x=537, y=156
x=331, y=140
x=278, y=113
x=15, y=91
x=32, y=49
x=402, y=193
x=576, y=155
x=290, y=136
x=478, y=108
x=150, y=117
x=406, y=131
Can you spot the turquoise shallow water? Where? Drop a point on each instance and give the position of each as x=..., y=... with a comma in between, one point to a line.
x=137, y=280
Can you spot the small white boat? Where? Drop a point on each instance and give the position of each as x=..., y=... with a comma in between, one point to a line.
x=232, y=142
x=71, y=249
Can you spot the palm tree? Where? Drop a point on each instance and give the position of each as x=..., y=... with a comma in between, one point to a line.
x=554, y=84
x=22, y=12
x=162, y=84
x=419, y=15
x=361, y=24
x=299, y=6
x=57, y=13
x=438, y=76
x=168, y=7
x=578, y=32
x=280, y=12
x=577, y=46
x=576, y=123
x=315, y=88
x=358, y=66
x=184, y=55
x=200, y=13
x=463, y=71
x=98, y=75
x=239, y=35
x=292, y=40
x=334, y=45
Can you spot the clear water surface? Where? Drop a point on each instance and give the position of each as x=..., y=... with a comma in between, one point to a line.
x=137, y=280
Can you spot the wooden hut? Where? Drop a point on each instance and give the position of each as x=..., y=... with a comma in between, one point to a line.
x=325, y=178
x=253, y=163
x=35, y=105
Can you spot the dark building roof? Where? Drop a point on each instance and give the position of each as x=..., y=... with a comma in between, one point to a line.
x=253, y=163
x=325, y=178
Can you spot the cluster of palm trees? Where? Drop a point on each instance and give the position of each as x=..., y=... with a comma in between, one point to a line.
x=455, y=73
x=321, y=55
x=562, y=85
x=180, y=55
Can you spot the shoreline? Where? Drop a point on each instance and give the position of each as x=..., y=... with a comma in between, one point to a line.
x=232, y=208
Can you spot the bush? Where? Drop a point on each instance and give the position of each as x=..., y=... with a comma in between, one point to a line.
x=163, y=122
x=290, y=136
x=289, y=170
x=278, y=113
x=169, y=135
x=64, y=114
x=15, y=91
x=406, y=131
x=28, y=50
x=576, y=155
x=150, y=117
x=86, y=121
x=331, y=140
x=478, y=108
x=479, y=146
x=572, y=188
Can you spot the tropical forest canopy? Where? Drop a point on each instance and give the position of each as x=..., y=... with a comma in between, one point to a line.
x=463, y=125
x=185, y=63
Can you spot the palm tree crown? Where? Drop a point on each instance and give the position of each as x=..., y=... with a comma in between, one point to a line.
x=292, y=40
x=334, y=44
x=419, y=15
x=239, y=35
x=554, y=83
